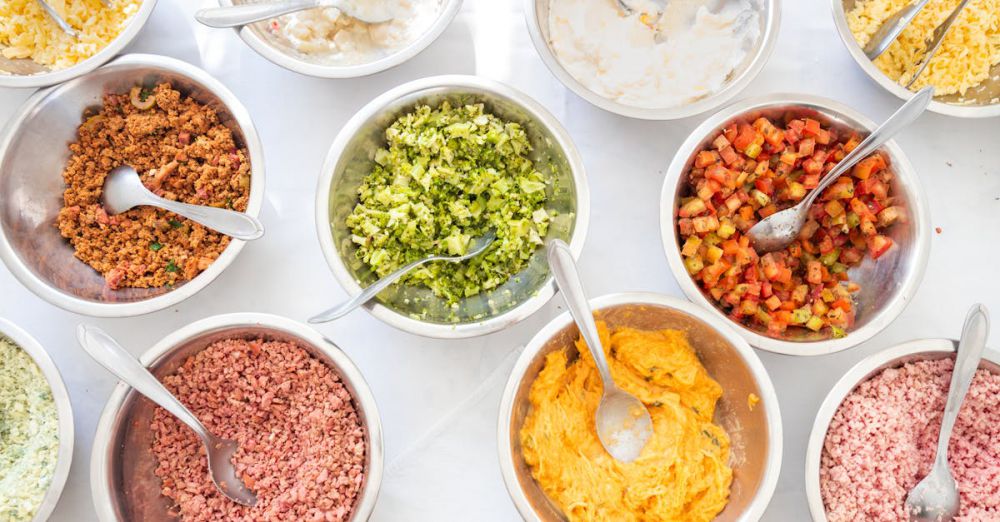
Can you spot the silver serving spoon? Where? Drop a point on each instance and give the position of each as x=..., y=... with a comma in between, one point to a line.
x=244, y=14
x=58, y=19
x=124, y=190
x=623, y=422
x=476, y=246
x=935, y=498
x=106, y=351
x=937, y=38
x=781, y=228
x=891, y=28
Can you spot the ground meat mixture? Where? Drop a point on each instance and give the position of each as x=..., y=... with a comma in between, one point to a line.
x=182, y=152
x=882, y=441
x=302, y=444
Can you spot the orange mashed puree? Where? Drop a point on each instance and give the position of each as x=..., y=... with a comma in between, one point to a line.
x=681, y=475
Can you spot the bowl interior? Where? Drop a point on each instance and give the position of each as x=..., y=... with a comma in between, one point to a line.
x=882, y=282
x=765, y=8
x=133, y=485
x=356, y=162
x=983, y=95
x=262, y=33
x=31, y=183
x=747, y=429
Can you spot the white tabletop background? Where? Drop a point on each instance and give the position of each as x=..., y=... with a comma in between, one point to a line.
x=424, y=385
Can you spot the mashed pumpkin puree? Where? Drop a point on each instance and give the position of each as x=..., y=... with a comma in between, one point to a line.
x=682, y=473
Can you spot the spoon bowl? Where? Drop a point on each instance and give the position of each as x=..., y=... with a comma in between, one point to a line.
x=623, y=422
x=124, y=190
x=108, y=353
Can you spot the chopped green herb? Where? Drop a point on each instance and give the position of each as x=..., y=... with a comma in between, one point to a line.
x=171, y=267
x=449, y=175
x=146, y=92
x=174, y=223
x=155, y=247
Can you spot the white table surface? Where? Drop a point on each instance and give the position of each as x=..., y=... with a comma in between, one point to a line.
x=418, y=381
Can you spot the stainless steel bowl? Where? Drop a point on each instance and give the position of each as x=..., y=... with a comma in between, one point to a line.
x=417, y=310
x=27, y=73
x=63, y=408
x=33, y=154
x=982, y=101
x=278, y=51
x=756, y=434
x=536, y=15
x=894, y=357
x=886, y=285
x=122, y=480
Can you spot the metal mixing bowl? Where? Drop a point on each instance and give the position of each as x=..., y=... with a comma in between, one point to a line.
x=756, y=435
x=27, y=73
x=894, y=357
x=418, y=310
x=63, y=408
x=982, y=101
x=279, y=51
x=887, y=285
x=33, y=154
x=122, y=480
x=536, y=15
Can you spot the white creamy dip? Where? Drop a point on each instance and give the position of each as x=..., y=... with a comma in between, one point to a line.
x=617, y=55
x=333, y=37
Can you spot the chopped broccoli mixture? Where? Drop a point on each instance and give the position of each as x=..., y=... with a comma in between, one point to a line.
x=450, y=175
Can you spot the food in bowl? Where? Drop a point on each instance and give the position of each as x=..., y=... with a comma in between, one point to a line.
x=883, y=437
x=302, y=443
x=640, y=60
x=751, y=171
x=183, y=152
x=447, y=176
x=336, y=38
x=683, y=473
x=28, y=32
x=29, y=434
x=969, y=50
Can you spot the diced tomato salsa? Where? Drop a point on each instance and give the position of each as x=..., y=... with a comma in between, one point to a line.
x=752, y=170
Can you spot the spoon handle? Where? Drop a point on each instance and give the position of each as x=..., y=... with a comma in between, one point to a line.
x=937, y=38
x=571, y=287
x=240, y=15
x=58, y=19
x=237, y=225
x=970, y=352
x=367, y=294
x=892, y=28
x=903, y=116
x=108, y=353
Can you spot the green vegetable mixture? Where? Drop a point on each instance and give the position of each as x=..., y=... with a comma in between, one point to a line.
x=29, y=434
x=449, y=175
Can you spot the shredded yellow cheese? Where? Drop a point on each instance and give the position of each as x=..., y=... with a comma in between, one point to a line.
x=682, y=474
x=26, y=31
x=966, y=56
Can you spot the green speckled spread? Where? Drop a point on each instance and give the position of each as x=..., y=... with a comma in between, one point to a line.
x=29, y=434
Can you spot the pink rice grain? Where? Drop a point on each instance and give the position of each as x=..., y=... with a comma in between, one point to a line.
x=883, y=438
x=302, y=443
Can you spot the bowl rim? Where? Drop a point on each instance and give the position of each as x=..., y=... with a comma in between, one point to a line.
x=255, y=201
x=64, y=410
x=346, y=369
x=858, y=374
x=873, y=72
x=920, y=216
x=134, y=25
x=451, y=82
x=768, y=395
x=272, y=54
x=769, y=38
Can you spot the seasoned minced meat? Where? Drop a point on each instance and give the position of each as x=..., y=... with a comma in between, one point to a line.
x=182, y=152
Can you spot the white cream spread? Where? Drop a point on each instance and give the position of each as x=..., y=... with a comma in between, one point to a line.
x=617, y=55
x=331, y=36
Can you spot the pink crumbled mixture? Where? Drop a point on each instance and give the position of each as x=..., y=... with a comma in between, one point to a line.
x=302, y=443
x=883, y=438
